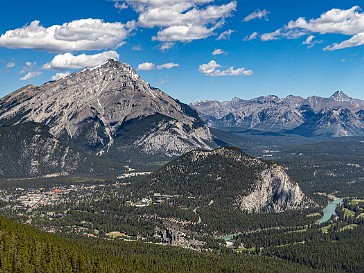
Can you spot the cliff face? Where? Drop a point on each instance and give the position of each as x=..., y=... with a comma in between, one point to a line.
x=29, y=150
x=274, y=192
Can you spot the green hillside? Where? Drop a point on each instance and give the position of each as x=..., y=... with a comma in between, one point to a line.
x=25, y=249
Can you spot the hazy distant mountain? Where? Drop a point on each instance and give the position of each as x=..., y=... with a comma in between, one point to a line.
x=339, y=115
x=230, y=178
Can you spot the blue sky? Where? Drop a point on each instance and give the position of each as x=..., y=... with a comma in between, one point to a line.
x=261, y=47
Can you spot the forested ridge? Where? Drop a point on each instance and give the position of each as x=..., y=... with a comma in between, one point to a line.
x=25, y=249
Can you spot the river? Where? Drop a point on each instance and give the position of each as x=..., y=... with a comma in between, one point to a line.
x=329, y=210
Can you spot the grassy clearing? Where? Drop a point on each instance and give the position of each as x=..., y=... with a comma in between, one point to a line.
x=298, y=231
x=360, y=216
x=348, y=213
x=348, y=227
x=316, y=214
x=116, y=234
x=356, y=202
x=325, y=229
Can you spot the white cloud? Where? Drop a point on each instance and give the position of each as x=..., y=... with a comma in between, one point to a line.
x=137, y=47
x=310, y=42
x=166, y=46
x=271, y=36
x=10, y=65
x=356, y=40
x=146, y=66
x=218, y=51
x=335, y=21
x=30, y=75
x=120, y=6
x=182, y=14
x=309, y=39
x=150, y=66
x=181, y=21
x=225, y=35
x=29, y=66
x=183, y=33
x=258, y=14
x=250, y=37
x=211, y=69
x=167, y=66
x=84, y=34
x=283, y=33
x=70, y=61
x=59, y=76
x=348, y=22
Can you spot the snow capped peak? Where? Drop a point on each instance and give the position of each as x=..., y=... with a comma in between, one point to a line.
x=340, y=96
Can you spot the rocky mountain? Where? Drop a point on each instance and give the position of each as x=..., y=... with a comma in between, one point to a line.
x=29, y=150
x=338, y=115
x=109, y=110
x=334, y=122
x=229, y=178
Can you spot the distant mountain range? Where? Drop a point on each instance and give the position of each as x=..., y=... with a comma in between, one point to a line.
x=107, y=111
x=338, y=115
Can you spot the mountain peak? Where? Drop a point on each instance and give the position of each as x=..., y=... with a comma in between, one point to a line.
x=94, y=104
x=340, y=96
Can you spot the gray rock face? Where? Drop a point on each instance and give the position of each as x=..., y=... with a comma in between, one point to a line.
x=294, y=113
x=29, y=150
x=274, y=192
x=89, y=106
x=337, y=122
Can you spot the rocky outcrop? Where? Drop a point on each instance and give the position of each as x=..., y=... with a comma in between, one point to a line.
x=29, y=150
x=274, y=192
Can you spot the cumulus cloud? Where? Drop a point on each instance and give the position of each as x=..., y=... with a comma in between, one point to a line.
x=150, y=66
x=84, y=34
x=10, y=65
x=212, y=69
x=181, y=21
x=335, y=21
x=250, y=37
x=348, y=22
x=218, y=51
x=310, y=42
x=59, y=76
x=309, y=39
x=258, y=14
x=225, y=35
x=186, y=33
x=183, y=14
x=146, y=66
x=120, y=6
x=70, y=61
x=166, y=46
x=167, y=66
x=30, y=75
